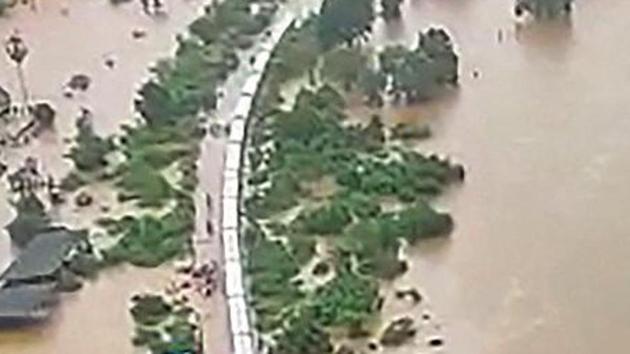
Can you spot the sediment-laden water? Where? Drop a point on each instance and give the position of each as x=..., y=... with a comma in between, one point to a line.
x=76, y=37
x=538, y=261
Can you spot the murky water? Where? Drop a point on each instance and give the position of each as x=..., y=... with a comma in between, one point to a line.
x=93, y=320
x=538, y=262
x=66, y=38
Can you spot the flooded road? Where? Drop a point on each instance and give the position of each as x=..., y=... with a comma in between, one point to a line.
x=67, y=37
x=539, y=260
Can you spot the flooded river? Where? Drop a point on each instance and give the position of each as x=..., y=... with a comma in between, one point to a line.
x=539, y=261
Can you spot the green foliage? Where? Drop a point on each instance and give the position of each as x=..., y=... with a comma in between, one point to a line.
x=420, y=222
x=346, y=301
x=327, y=220
x=148, y=241
x=391, y=9
x=376, y=241
x=344, y=66
x=406, y=131
x=312, y=140
x=296, y=53
x=188, y=83
x=146, y=184
x=160, y=146
x=31, y=219
x=360, y=205
x=150, y=310
x=372, y=83
x=420, y=73
x=161, y=326
x=271, y=268
x=343, y=21
x=282, y=195
x=303, y=248
x=73, y=181
x=90, y=150
x=304, y=335
x=373, y=133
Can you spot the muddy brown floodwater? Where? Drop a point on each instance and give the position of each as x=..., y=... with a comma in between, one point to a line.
x=539, y=261
x=67, y=37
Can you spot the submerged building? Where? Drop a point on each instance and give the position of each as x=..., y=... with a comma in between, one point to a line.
x=29, y=286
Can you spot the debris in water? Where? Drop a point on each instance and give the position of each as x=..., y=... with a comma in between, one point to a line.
x=138, y=34
x=79, y=82
x=411, y=293
x=83, y=199
x=398, y=332
x=110, y=62
x=436, y=342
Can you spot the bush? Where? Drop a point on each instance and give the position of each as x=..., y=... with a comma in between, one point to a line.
x=90, y=150
x=327, y=220
x=149, y=242
x=30, y=221
x=348, y=300
x=143, y=182
x=150, y=310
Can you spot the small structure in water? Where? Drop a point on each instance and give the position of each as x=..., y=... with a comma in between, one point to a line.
x=23, y=305
x=41, y=260
x=28, y=288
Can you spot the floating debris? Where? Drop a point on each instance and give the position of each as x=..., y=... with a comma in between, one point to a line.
x=79, y=82
x=398, y=332
x=138, y=34
x=83, y=199
x=435, y=342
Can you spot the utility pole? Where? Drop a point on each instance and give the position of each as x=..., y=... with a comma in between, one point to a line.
x=16, y=50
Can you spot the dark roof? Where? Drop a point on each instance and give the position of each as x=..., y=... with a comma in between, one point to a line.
x=26, y=300
x=42, y=256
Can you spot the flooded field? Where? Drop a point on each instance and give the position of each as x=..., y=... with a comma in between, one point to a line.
x=538, y=262
x=77, y=37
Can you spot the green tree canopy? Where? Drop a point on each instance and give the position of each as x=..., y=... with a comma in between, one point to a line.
x=90, y=150
x=391, y=9
x=31, y=219
x=343, y=21
x=347, y=300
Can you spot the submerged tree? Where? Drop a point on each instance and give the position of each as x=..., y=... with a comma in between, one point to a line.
x=31, y=219
x=419, y=73
x=542, y=9
x=343, y=21
x=343, y=66
x=371, y=84
x=391, y=9
x=90, y=150
x=346, y=301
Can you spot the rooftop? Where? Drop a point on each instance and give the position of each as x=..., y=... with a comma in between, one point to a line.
x=42, y=256
x=26, y=301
